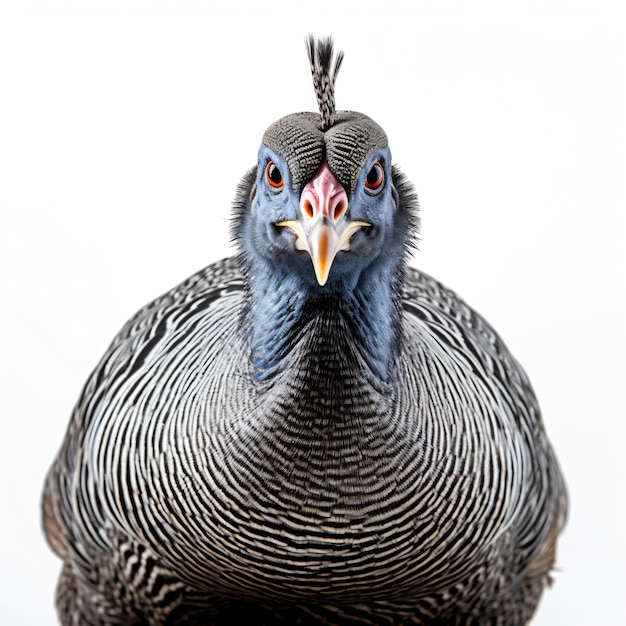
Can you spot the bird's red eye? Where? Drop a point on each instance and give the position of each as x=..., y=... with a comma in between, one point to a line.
x=374, y=178
x=273, y=176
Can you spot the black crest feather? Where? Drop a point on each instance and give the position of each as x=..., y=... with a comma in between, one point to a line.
x=324, y=73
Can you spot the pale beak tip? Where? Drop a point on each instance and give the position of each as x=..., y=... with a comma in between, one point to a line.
x=322, y=275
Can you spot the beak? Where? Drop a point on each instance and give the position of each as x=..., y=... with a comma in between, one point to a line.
x=322, y=229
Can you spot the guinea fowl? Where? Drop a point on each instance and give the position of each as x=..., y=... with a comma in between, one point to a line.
x=311, y=432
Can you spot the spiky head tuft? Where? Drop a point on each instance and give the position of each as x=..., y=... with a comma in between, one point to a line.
x=324, y=73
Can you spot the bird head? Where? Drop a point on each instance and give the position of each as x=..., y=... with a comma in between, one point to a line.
x=324, y=201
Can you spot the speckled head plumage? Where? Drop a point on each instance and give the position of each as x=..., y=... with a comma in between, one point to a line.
x=344, y=138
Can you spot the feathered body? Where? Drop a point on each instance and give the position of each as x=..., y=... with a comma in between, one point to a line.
x=270, y=444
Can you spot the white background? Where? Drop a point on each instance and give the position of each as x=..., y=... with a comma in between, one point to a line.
x=125, y=126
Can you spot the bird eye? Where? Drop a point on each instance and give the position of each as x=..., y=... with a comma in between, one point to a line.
x=374, y=178
x=273, y=176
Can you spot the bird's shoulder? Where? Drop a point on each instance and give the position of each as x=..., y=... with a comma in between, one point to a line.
x=438, y=323
x=204, y=288
x=205, y=305
x=439, y=307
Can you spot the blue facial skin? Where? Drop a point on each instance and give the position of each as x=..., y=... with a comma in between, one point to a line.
x=361, y=283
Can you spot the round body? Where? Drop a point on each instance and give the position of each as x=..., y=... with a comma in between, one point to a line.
x=191, y=490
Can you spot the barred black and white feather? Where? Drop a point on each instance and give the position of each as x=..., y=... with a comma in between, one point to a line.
x=324, y=74
x=184, y=490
